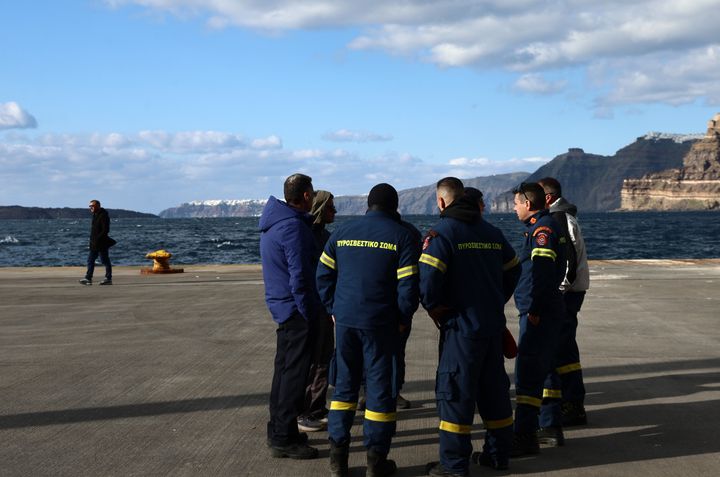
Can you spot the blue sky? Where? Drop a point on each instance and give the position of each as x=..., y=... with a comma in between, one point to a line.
x=145, y=104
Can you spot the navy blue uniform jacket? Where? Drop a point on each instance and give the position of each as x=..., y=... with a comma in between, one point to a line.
x=544, y=264
x=368, y=276
x=287, y=251
x=468, y=266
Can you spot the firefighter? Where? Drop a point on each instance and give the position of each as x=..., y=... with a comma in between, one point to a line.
x=468, y=271
x=368, y=280
x=541, y=307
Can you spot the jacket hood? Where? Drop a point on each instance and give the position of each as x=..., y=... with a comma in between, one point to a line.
x=463, y=209
x=319, y=202
x=562, y=205
x=276, y=211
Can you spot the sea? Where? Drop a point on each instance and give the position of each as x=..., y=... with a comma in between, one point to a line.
x=63, y=242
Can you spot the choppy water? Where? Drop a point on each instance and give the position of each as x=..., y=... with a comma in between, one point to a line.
x=63, y=242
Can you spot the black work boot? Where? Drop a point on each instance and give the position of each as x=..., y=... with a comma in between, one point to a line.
x=524, y=443
x=379, y=465
x=551, y=436
x=295, y=450
x=573, y=414
x=490, y=460
x=339, y=460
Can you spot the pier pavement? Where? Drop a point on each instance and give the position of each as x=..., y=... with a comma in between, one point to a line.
x=169, y=376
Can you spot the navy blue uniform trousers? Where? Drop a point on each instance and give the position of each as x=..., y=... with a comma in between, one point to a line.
x=371, y=352
x=535, y=367
x=566, y=382
x=471, y=373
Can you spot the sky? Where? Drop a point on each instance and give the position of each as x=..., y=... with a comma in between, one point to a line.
x=146, y=104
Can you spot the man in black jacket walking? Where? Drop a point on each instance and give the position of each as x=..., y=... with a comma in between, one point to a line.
x=100, y=244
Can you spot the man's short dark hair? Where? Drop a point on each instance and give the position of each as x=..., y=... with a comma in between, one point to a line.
x=533, y=192
x=383, y=197
x=295, y=186
x=551, y=186
x=475, y=195
x=96, y=202
x=452, y=185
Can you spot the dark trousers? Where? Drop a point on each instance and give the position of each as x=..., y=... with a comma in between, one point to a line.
x=535, y=362
x=104, y=255
x=370, y=351
x=399, y=360
x=471, y=373
x=322, y=331
x=565, y=383
x=287, y=395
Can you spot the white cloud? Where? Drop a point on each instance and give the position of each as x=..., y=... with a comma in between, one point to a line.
x=524, y=36
x=537, y=84
x=12, y=116
x=153, y=170
x=346, y=135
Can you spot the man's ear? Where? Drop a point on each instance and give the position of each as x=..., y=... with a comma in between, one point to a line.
x=441, y=203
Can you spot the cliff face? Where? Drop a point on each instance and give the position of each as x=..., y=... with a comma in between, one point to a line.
x=421, y=200
x=694, y=186
x=593, y=182
x=216, y=208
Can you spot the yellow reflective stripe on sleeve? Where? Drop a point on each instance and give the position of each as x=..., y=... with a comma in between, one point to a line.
x=529, y=400
x=511, y=263
x=455, y=428
x=407, y=271
x=433, y=262
x=552, y=393
x=325, y=258
x=380, y=416
x=568, y=368
x=543, y=252
x=498, y=423
x=343, y=406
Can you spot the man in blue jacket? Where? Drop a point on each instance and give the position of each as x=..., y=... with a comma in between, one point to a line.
x=468, y=272
x=367, y=279
x=287, y=250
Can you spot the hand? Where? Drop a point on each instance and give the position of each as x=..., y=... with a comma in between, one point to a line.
x=534, y=319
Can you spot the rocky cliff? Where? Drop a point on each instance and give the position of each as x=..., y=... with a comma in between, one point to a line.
x=215, y=208
x=421, y=200
x=694, y=186
x=593, y=182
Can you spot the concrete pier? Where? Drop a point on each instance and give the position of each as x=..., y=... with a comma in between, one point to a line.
x=169, y=375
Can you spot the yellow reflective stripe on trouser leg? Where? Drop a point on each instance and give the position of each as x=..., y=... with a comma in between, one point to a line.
x=529, y=400
x=568, y=368
x=498, y=423
x=433, y=262
x=380, y=416
x=407, y=271
x=455, y=428
x=552, y=393
x=343, y=406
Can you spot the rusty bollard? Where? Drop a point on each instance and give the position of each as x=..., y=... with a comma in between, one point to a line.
x=161, y=263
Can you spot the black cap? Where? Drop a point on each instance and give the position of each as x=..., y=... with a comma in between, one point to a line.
x=383, y=196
